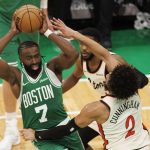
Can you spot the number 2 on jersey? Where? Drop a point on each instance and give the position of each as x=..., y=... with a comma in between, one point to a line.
x=131, y=131
x=43, y=109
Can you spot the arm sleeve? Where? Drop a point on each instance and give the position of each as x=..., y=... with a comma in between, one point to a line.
x=57, y=132
x=142, y=79
x=44, y=4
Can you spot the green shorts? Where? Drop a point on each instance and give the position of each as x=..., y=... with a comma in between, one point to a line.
x=10, y=52
x=71, y=142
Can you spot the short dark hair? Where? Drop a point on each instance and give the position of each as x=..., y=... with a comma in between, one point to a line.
x=89, y=31
x=123, y=82
x=27, y=44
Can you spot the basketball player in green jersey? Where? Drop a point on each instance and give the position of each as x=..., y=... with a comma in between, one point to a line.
x=38, y=88
x=7, y=8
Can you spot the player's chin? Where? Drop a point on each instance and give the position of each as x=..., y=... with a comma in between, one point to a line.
x=85, y=57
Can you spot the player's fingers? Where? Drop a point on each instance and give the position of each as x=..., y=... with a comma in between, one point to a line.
x=61, y=21
x=57, y=21
x=56, y=24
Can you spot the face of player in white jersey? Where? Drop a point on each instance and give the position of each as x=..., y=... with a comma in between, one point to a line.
x=85, y=53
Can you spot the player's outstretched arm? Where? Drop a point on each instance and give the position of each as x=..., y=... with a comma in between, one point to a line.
x=51, y=134
x=97, y=49
x=91, y=112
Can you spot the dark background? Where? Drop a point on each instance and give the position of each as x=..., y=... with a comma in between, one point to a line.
x=61, y=9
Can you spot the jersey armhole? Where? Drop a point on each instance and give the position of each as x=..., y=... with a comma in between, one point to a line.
x=105, y=104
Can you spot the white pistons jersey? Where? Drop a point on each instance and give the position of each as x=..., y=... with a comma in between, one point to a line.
x=96, y=78
x=124, y=129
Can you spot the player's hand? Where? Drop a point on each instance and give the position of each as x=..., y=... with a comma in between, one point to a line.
x=46, y=23
x=44, y=26
x=49, y=24
x=65, y=31
x=13, y=25
x=28, y=134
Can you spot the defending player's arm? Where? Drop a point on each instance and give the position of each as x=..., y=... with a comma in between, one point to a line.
x=93, y=46
x=73, y=79
x=74, y=124
x=91, y=112
x=52, y=134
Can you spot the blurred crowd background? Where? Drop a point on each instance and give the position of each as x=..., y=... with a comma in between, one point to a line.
x=105, y=15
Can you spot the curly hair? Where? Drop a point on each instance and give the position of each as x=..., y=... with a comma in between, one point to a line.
x=123, y=82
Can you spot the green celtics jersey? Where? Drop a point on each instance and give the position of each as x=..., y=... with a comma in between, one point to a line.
x=8, y=7
x=41, y=100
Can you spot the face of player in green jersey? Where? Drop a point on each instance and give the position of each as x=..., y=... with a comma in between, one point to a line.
x=31, y=60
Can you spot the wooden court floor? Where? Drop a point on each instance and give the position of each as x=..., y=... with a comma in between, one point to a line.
x=74, y=100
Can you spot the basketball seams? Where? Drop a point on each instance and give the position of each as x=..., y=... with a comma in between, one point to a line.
x=18, y=10
x=37, y=10
x=28, y=18
x=19, y=24
x=38, y=18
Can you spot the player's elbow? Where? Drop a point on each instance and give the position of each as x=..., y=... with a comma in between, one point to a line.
x=80, y=122
x=74, y=56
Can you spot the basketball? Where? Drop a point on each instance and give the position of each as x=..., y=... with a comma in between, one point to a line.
x=28, y=18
